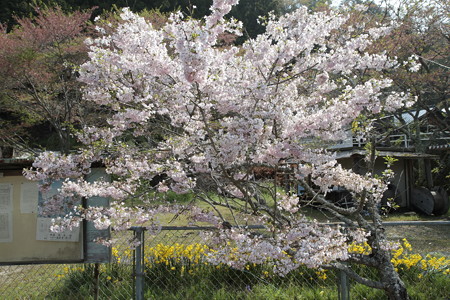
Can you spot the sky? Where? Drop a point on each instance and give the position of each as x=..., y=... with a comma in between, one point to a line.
x=336, y=2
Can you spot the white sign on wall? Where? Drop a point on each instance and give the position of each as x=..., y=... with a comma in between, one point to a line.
x=29, y=195
x=6, y=197
x=43, y=232
x=6, y=209
x=5, y=227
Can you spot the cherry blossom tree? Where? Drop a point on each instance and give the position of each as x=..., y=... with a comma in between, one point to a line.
x=38, y=60
x=206, y=115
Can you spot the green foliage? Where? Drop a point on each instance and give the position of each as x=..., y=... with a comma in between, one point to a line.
x=314, y=5
x=209, y=282
x=78, y=282
x=389, y=161
x=173, y=197
x=183, y=266
x=247, y=11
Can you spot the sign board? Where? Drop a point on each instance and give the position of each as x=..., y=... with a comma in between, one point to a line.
x=25, y=235
x=96, y=252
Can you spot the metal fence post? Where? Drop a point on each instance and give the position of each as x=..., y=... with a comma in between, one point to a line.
x=139, y=258
x=343, y=286
x=96, y=278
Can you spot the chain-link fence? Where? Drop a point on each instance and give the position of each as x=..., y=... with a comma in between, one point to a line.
x=172, y=266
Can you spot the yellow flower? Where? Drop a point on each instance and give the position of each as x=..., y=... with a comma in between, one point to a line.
x=407, y=245
x=60, y=276
x=321, y=274
x=360, y=248
x=424, y=264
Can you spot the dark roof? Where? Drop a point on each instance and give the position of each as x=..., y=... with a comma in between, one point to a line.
x=14, y=163
x=382, y=153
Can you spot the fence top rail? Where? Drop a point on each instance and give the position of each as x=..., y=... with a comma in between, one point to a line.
x=416, y=223
x=198, y=227
x=399, y=223
x=390, y=223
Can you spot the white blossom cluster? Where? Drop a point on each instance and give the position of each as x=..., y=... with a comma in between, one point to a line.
x=303, y=243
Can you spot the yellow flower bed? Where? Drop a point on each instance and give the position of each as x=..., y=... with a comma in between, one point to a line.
x=176, y=257
x=403, y=258
x=191, y=258
x=163, y=254
x=188, y=258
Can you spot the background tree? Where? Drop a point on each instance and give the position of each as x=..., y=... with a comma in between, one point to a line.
x=38, y=70
x=423, y=33
x=13, y=10
x=9, y=9
x=314, y=5
x=246, y=11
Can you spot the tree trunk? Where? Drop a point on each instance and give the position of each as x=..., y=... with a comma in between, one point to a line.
x=395, y=289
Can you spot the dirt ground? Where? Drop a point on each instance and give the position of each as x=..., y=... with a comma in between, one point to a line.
x=424, y=239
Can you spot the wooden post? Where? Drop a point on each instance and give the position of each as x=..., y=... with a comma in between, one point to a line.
x=428, y=173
